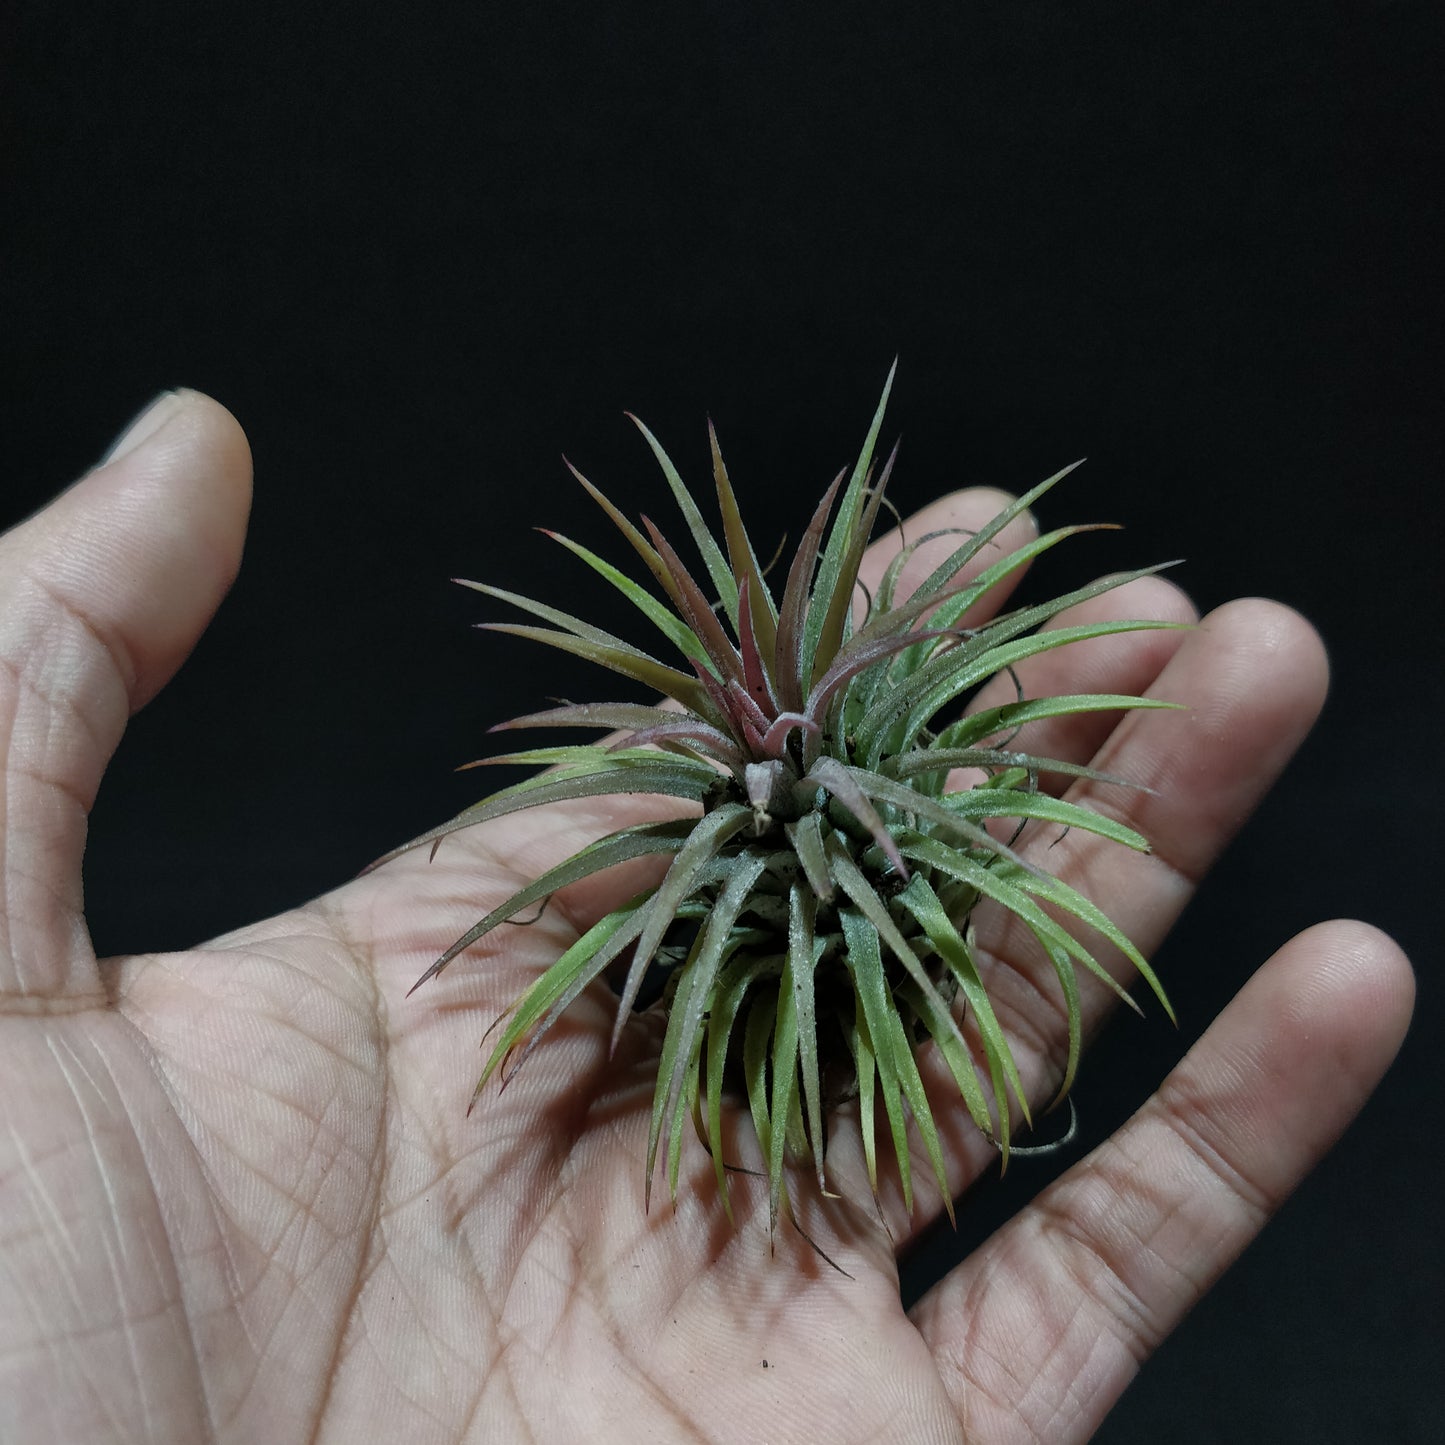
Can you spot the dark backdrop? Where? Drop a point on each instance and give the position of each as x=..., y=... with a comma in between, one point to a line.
x=421, y=251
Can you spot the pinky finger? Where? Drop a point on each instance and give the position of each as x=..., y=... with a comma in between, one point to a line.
x=1038, y=1333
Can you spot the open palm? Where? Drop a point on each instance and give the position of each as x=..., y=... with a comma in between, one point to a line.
x=240, y=1197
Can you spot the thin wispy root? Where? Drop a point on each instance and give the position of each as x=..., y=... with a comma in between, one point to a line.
x=814, y=924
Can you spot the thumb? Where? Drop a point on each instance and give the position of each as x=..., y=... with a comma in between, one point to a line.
x=102, y=595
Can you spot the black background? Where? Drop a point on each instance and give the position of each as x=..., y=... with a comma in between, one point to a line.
x=421, y=252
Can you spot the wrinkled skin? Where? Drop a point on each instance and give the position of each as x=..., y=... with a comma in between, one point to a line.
x=241, y=1199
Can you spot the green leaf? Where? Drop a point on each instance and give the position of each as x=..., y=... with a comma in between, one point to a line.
x=1063, y=896
x=948, y=604
x=860, y=891
x=804, y=951
x=934, y=763
x=837, y=620
x=674, y=1140
x=955, y=1054
x=757, y=1041
x=694, y=995
x=707, y=838
x=997, y=803
x=578, y=628
x=785, y=1087
x=952, y=602
x=605, y=853
x=966, y=731
x=665, y=774
x=1011, y=887
x=806, y=837
x=831, y=577
x=568, y=758
x=946, y=677
x=865, y=1067
x=733, y=983
x=865, y=963
x=951, y=566
x=922, y=902
x=911, y=1083
x=914, y=804
x=566, y=978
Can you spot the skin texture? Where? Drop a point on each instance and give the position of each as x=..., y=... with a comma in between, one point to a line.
x=240, y=1197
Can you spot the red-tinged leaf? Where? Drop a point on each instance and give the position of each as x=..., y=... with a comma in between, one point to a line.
x=690, y=732
x=718, y=696
x=830, y=774
x=555, y=615
x=639, y=543
x=859, y=657
x=695, y=609
x=777, y=735
x=792, y=613
x=747, y=710
x=664, y=618
x=744, y=559
x=634, y=716
x=750, y=735
x=623, y=659
x=752, y=649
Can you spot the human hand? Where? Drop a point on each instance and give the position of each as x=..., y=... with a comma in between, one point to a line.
x=240, y=1196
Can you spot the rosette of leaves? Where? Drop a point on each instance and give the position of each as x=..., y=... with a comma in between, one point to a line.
x=813, y=921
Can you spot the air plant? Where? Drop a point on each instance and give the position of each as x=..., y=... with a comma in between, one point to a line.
x=814, y=921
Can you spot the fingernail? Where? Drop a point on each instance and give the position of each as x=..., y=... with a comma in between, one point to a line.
x=149, y=420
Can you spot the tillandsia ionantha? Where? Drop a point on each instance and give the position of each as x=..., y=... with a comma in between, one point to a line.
x=813, y=922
